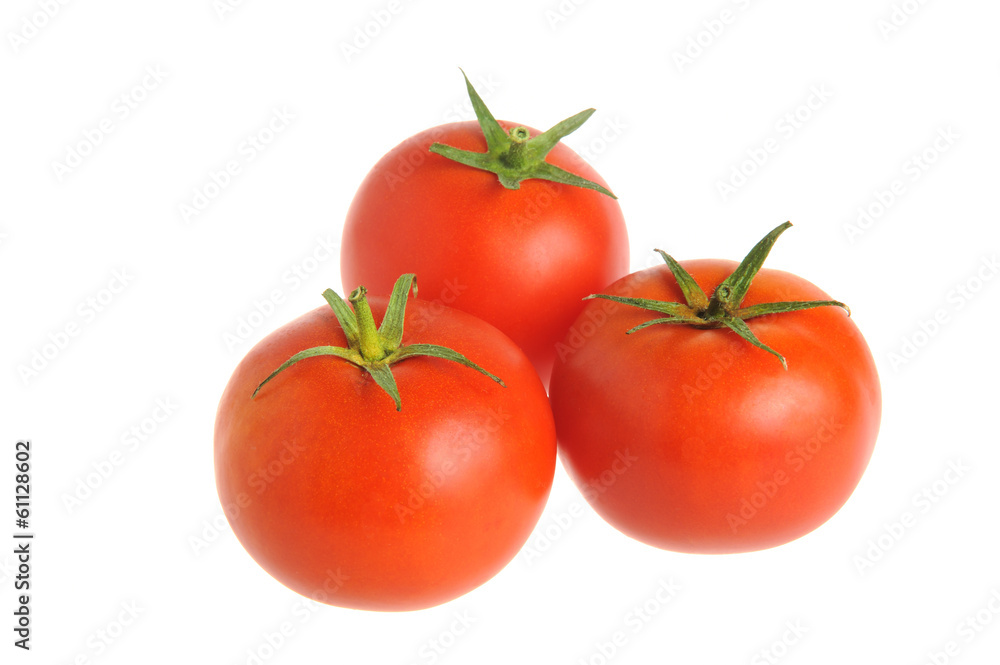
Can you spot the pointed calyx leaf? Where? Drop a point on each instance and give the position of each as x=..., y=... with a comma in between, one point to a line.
x=731, y=292
x=674, y=309
x=345, y=316
x=391, y=330
x=515, y=155
x=375, y=350
x=435, y=351
x=346, y=354
x=723, y=309
x=693, y=295
x=386, y=381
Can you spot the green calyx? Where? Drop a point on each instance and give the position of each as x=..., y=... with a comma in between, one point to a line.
x=373, y=349
x=723, y=308
x=515, y=156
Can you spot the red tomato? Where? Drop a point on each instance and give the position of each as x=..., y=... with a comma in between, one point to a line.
x=344, y=499
x=521, y=259
x=694, y=440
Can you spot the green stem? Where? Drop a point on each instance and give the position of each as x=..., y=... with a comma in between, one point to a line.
x=719, y=306
x=369, y=342
x=714, y=311
x=514, y=156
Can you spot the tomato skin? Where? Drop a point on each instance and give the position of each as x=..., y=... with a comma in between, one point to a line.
x=696, y=441
x=520, y=259
x=393, y=510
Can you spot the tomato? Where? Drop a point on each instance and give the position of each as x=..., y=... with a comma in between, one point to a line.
x=342, y=498
x=695, y=440
x=521, y=259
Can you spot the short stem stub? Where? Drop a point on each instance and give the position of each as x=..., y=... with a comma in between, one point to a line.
x=520, y=134
x=719, y=305
x=514, y=155
x=369, y=343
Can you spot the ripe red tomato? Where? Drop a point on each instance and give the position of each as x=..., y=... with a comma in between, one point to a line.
x=521, y=259
x=343, y=498
x=695, y=440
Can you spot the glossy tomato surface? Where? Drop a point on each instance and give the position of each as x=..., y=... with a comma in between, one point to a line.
x=694, y=440
x=343, y=499
x=520, y=259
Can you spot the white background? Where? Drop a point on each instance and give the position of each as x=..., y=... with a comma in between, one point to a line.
x=665, y=135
